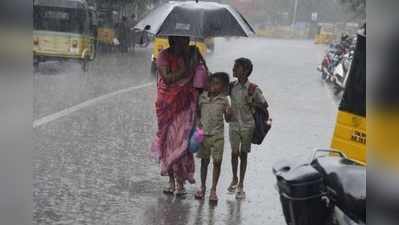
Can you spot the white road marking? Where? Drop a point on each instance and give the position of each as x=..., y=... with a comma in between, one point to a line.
x=67, y=111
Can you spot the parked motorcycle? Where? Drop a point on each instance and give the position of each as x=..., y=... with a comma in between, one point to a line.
x=329, y=189
x=341, y=70
x=330, y=61
x=336, y=64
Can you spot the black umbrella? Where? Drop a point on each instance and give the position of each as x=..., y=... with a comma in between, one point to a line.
x=196, y=19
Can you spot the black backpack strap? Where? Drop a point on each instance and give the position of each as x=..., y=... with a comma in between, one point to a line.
x=252, y=90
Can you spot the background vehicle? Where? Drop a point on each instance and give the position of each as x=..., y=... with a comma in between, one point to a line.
x=337, y=62
x=350, y=130
x=325, y=34
x=331, y=189
x=106, y=28
x=63, y=31
x=330, y=60
x=341, y=70
x=161, y=43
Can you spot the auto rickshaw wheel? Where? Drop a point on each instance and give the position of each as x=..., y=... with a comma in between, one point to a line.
x=93, y=50
x=153, y=68
x=36, y=66
x=85, y=64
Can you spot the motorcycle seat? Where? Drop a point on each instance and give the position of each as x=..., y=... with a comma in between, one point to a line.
x=346, y=181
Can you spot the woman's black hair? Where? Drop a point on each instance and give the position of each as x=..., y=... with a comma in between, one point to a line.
x=172, y=40
x=246, y=63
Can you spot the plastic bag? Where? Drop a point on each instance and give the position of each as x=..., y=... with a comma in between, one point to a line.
x=196, y=138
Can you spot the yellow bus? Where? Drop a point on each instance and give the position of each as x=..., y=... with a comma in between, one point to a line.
x=350, y=135
x=63, y=30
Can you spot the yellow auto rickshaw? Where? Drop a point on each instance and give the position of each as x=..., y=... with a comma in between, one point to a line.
x=63, y=30
x=161, y=43
x=105, y=31
x=350, y=130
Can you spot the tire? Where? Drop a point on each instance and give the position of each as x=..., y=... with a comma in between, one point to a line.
x=332, y=220
x=332, y=79
x=36, y=66
x=85, y=65
x=153, y=68
x=337, y=90
x=93, y=50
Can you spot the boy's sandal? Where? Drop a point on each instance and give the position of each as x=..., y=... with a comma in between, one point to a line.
x=213, y=197
x=169, y=190
x=240, y=194
x=200, y=194
x=232, y=187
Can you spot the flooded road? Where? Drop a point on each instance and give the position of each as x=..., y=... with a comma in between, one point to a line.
x=91, y=161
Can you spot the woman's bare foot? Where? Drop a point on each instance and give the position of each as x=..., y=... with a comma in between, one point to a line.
x=170, y=189
x=180, y=190
x=213, y=197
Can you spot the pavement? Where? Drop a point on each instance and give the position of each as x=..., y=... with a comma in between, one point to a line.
x=92, y=133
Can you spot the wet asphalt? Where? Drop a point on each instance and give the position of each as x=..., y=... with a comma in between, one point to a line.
x=91, y=163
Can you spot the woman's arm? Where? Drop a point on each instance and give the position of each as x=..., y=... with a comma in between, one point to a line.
x=171, y=77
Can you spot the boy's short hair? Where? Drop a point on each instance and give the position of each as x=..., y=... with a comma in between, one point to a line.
x=224, y=77
x=246, y=63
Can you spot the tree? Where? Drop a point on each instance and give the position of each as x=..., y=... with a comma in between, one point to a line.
x=356, y=6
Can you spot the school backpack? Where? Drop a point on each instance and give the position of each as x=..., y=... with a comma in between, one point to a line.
x=261, y=116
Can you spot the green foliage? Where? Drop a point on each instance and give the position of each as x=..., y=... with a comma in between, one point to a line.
x=355, y=5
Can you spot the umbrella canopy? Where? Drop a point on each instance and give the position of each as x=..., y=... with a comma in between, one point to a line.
x=196, y=19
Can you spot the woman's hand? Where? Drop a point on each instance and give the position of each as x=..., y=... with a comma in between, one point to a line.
x=171, y=77
x=182, y=69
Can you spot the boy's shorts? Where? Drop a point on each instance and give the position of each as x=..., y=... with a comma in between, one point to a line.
x=212, y=146
x=240, y=140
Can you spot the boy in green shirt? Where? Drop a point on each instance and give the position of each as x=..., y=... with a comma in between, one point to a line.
x=242, y=123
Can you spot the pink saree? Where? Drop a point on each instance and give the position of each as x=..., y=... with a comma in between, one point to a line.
x=175, y=109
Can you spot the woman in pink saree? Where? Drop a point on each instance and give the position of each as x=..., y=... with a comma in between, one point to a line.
x=176, y=107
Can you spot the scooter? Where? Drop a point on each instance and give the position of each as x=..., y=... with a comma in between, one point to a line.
x=328, y=189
